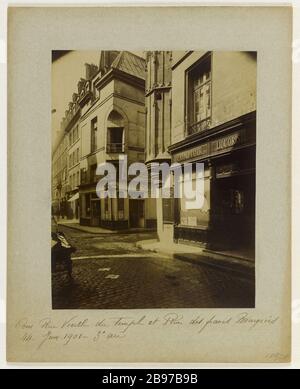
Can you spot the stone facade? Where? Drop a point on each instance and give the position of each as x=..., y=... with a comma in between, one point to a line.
x=214, y=122
x=112, y=126
x=158, y=129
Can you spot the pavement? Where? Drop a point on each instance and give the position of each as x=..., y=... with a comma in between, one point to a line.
x=227, y=261
x=112, y=271
x=74, y=224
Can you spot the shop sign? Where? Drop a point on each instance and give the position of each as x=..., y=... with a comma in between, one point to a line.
x=199, y=151
x=226, y=142
x=213, y=147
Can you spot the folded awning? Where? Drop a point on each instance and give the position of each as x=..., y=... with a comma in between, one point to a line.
x=74, y=197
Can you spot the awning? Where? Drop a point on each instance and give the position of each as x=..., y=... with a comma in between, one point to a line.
x=74, y=197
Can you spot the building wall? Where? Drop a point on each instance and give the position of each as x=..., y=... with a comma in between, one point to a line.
x=233, y=87
x=158, y=124
x=158, y=104
x=227, y=219
x=134, y=115
x=127, y=101
x=59, y=172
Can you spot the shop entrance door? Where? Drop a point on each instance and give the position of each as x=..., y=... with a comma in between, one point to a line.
x=234, y=204
x=95, y=212
x=136, y=213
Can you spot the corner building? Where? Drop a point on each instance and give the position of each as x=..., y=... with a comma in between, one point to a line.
x=214, y=122
x=112, y=124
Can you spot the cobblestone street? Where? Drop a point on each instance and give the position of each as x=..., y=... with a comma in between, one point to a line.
x=110, y=272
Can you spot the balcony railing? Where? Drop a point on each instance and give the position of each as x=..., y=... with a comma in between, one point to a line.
x=200, y=126
x=115, y=147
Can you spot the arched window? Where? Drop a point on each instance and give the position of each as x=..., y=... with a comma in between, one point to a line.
x=115, y=133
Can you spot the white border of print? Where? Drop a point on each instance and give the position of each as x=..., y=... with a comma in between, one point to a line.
x=3, y=165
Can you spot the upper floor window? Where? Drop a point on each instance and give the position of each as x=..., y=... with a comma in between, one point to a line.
x=75, y=133
x=94, y=134
x=115, y=140
x=199, y=97
x=93, y=175
x=115, y=133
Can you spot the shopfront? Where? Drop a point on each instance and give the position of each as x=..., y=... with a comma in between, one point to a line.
x=226, y=218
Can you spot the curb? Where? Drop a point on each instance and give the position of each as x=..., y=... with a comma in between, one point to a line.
x=241, y=268
x=72, y=227
x=107, y=232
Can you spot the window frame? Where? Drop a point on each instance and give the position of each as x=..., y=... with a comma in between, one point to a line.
x=94, y=129
x=203, y=62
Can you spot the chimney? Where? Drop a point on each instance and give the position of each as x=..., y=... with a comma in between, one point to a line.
x=90, y=70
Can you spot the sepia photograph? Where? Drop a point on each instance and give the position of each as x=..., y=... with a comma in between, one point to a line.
x=153, y=179
x=154, y=221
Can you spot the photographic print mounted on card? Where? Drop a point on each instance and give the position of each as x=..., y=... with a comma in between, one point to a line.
x=149, y=185
x=147, y=214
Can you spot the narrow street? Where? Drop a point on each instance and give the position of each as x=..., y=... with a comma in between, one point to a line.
x=110, y=272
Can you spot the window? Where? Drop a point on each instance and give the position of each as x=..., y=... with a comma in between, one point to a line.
x=115, y=140
x=83, y=176
x=94, y=135
x=199, y=97
x=77, y=155
x=120, y=207
x=78, y=181
x=93, y=177
x=76, y=133
x=115, y=132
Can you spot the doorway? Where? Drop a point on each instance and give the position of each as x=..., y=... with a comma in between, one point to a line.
x=95, y=212
x=136, y=214
x=234, y=209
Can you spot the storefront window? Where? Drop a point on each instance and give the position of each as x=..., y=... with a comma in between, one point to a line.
x=198, y=216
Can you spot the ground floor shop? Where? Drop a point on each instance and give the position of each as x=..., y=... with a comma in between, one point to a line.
x=115, y=213
x=226, y=219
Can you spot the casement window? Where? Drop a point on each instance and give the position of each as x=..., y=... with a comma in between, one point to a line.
x=115, y=133
x=94, y=135
x=198, y=104
x=115, y=140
